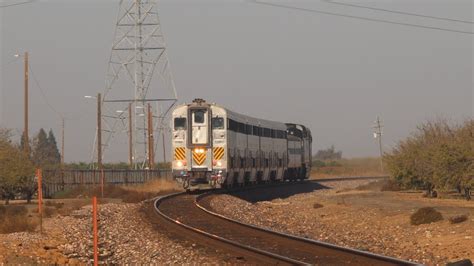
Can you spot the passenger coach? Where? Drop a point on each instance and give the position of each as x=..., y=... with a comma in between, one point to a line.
x=215, y=147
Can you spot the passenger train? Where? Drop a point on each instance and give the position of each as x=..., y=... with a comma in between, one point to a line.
x=214, y=147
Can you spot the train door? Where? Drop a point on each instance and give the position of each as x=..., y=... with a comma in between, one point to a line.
x=200, y=127
x=199, y=139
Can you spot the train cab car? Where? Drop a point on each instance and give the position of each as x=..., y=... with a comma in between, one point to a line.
x=214, y=147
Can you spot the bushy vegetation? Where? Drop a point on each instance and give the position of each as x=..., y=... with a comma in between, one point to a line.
x=438, y=155
x=425, y=215
x=17, y=168
x=328, y=154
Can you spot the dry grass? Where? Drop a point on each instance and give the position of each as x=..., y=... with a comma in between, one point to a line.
x=425, y=215
x=380, y=185
x=158, y=185
x=14, y=218
x=348, y=167
x=129, y=194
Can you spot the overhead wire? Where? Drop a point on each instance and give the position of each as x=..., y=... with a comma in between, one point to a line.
x=397, y=12
x=17, y=4
x=361, y=18
x=43, y=94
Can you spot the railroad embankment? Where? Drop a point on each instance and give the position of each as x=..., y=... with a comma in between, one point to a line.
x=357, y=214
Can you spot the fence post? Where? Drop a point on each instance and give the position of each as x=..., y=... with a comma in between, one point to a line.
x=94, y=225
x=40, y=197
x=102, y=183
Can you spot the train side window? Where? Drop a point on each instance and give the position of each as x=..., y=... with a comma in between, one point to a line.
x=248, y=130
x=241, y=128
x=232, y=125
x=179, y=123
x=267, y=133
x=255, y=131
x=217, y=123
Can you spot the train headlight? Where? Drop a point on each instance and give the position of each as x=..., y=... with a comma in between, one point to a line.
x=179, y=164
x=219, y=163
x=199, y=150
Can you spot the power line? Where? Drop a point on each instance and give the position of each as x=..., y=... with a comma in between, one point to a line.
x=43, y=94
x=17, y=4
x=362, y=18
x=398, y=12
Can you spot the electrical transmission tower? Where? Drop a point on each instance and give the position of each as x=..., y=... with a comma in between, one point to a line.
x=138, y=75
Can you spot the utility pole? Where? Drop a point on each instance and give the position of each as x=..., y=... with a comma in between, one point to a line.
x=151, y=155
x=62, y=153
x=378, y=126
x=62, y=143
x=99, y=131
x=130, y=136
x=164, y=147
x=25, y=133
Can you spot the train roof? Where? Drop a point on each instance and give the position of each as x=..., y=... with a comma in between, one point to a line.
x=245, y=118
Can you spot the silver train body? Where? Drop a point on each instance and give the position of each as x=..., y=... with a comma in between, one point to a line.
x=214, y=147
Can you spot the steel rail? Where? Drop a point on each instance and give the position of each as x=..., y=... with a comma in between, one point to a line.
x=306, y=240
x=274, y=256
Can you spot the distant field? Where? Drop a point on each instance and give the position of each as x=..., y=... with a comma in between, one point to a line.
x=368, y=166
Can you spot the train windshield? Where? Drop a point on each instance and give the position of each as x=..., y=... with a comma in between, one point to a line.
x=199, y=116
x=179, y=123
x=217, y=123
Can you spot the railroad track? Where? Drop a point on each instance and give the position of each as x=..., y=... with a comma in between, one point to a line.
x=188, y=217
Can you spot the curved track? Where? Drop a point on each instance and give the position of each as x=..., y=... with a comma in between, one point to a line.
x=256, y=244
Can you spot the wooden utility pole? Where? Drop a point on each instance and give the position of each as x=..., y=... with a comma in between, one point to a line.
x=164, y=147
x=378, y=134
x=130, y=136
x=62, y=143
x=99, y=132
x=25, y=132
x=62, y=152
x=151, y=155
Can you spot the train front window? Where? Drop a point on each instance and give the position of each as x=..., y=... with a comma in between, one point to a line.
x=217, y=123
x=179, y=123
x=199, y=116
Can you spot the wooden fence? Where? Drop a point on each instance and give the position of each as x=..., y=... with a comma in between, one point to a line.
x=60, y=180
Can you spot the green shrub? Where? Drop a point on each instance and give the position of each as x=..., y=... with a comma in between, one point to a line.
x=438, y=155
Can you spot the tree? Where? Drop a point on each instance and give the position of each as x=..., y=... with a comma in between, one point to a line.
x=15, y=166
x=328, y=154
x=23, y=142
x=438, y=155
x=53, y=151
x=45, y=150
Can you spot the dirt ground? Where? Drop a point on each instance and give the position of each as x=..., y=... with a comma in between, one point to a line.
x=371, y=220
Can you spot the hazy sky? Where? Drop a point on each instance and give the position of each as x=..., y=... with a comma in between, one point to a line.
x=333, y=74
